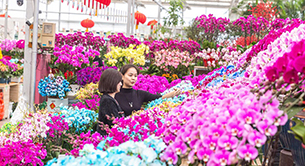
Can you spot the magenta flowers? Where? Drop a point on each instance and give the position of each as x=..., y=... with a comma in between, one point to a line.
x=87, y=40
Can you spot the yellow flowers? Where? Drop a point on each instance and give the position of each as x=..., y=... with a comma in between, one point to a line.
x=133, y=54
x=87, y=92
x=1, y=56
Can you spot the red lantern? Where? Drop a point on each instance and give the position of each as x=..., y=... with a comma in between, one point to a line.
x=104, y=3
x=152, y=23
x=140, y=17
x=3, y=15
x=87, y=23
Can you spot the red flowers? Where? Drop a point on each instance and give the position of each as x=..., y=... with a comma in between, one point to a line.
x=264, y=10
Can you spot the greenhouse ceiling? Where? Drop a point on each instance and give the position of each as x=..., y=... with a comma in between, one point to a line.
x=226, y=4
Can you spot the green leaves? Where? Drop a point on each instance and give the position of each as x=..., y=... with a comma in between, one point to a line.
x=293, y=111
x=299, y=130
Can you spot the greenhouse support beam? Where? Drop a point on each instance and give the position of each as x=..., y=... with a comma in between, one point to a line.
x=6, y=21
x=30, y=55
x=59, y=15
x=133, y=18
x=34, y=52
x=159, y=18
x=128, y=18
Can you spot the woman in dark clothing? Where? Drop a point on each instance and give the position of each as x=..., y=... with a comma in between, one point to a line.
x=109, y=84
x=131, y=100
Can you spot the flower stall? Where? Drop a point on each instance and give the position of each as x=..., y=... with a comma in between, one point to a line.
x=239, y=113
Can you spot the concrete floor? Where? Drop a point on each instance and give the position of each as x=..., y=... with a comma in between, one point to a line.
x=3, y=121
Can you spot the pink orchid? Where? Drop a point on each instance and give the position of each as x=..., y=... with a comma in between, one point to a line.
x=228, y=142
x=247, y=152
x=256, y=138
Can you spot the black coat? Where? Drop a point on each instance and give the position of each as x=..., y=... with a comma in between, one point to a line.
x=110, y=107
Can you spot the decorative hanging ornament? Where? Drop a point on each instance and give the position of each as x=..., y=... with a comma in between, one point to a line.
x=140, y=18
x=87, y=23
x=152, y=23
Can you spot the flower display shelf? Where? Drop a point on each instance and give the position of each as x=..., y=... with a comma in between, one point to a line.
x=55, y=103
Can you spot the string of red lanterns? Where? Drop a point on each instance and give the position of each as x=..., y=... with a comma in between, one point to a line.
x=93, y=4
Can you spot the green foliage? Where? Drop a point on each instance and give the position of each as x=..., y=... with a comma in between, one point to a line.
x=192, y=32
x=174, y=13
x=242, y=9
x=299, y=130
x=152, y=70
x=291, y=8
x=205, y=44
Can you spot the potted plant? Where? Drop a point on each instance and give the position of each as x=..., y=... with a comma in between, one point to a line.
x=55, y=87
x=6, y=68
x=17, y=74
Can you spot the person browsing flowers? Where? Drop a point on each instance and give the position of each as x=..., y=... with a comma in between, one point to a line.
x=110, y=83
x=130, y=99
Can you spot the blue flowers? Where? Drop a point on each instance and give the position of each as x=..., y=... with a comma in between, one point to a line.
x=129, y=153
x=51, y=86
x=78, y=119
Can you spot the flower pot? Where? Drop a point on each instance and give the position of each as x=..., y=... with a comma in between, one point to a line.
x=15, y=79
x=4, y=80
x=55, y=103
x=290, y=143
x=74, y=89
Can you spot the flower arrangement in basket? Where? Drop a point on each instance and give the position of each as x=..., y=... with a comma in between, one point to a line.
x=55, y=86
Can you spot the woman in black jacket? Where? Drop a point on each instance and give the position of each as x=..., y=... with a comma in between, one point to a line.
x=130, y=99
x=109, y=84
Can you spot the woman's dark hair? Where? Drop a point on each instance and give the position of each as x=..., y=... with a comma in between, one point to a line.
x=109, y=81
x=125, y=68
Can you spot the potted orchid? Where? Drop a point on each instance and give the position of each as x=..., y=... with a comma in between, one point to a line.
x=173, y=62
x=6, y=68
x=17, y=74
x=55, y=87
x=68, y=60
